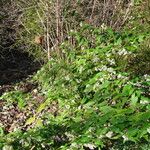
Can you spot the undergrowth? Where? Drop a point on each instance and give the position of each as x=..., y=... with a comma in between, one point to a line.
x=101, y=104
x=95, y=94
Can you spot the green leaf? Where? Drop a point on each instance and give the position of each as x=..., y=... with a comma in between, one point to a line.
x=1, y=131
x=134, y=100
x=30, y=120
x=105, y=84
x=118, y=42
x=127, y=90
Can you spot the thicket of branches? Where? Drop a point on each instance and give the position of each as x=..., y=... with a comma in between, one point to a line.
x=55, y=19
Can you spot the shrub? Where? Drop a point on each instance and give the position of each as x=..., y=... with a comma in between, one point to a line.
x=140, y=63
x=55, y=19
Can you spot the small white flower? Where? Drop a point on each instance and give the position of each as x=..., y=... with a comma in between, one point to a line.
x=67, y=106
x=111, y=70
x=96, y=85
x=43, y=146
x=91, y=129
x=113, y=103
x=82, y=47
x=78, y=80
x=109, y=134
x=67, y=78
x=123, y=52
x=125, y=138
x=119, y=76
x=148, y=130
x=108, y=54
x=100, y=137
x=74, y=145
x=81, y=24
x=101, y=79
x=35, y=91
x=111, y=61
x=103, y=26
x=70, y=136
x=144, y=102
x=69, y=37
x=80, y=107
x=147, y=77
x=80, y=69
x=97, y=69
x=104, y=68
x=96, y=59
x=90, y=146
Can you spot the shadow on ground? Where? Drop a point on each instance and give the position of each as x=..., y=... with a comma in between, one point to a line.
x=15, y=65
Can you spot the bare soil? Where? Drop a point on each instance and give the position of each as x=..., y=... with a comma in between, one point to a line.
x=14, y=66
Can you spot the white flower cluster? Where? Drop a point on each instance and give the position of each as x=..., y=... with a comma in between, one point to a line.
x=147, y=77
x=103, y=26
x=111, y=61
x=148, y=130
x=72, y=30
x=90, y=146
x=81, y=69
x=81, y=24
x=125, y=138
x=70, y=136
x=119, y=76
x=78, y=80
x=96, y=59
x=144, y=102
x=96, y=86
x=109, y=134
x=123, y=52
x=109, y=69
x=74, y=146
x=67, y=78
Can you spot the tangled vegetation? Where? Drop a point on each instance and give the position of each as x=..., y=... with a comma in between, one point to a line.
x=93, y=92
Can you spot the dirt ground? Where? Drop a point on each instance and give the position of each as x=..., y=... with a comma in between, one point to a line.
x=15, y=66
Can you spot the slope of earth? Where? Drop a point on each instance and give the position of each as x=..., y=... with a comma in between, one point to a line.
x=15, y=66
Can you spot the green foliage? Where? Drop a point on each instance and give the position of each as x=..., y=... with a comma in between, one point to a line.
x=140, y=64
x=100, y=103
x=97, y=93
x=16, y=97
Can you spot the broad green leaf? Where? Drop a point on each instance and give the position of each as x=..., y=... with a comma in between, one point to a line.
x=127, y=90
x=134, y=100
